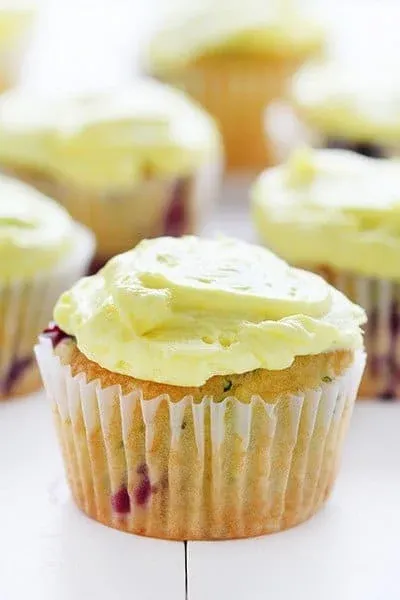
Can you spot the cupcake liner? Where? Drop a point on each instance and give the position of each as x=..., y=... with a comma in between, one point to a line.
x=197, y=470
x=236, y=92
x=380, y=299
x=26, y=307
x=122, y=217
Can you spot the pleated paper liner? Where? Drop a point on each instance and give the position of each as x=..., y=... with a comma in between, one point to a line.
x=380, y=299
x=151, y=208
x=25, y=309
x=205, y=470
x=236, y=91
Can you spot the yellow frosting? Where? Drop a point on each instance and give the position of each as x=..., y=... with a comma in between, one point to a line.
x=360, y=103
x=15, y=18
x=179, y=311
x=255, y=27
x=35, y=232
x=332, y=207
x=107, y=139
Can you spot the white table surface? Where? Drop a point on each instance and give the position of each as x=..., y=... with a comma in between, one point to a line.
x=50, y=551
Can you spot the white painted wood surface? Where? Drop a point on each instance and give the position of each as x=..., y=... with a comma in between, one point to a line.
x=349, y=551
x=48, y=549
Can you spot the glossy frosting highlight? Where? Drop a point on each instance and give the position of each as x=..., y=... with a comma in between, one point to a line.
x=107, y=139
x=35, y=232
x=334, y=208
x=271, y=28
x=179, y=311
x=358, y=103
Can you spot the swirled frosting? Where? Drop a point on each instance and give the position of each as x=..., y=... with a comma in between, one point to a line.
x=107, y=139
x=271, y=28
x=332, y=207
x=357, y=103
x=179, y=311
x=35, y=232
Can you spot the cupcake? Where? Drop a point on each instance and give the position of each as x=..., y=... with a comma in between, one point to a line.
x=235, y=58
x=16, y=18
x=332, y=105
x=42, y=253
x=201, y=389
x=338, y=213
x=128, y=163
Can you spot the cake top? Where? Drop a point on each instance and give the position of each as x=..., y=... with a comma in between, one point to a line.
x=109, y=138
x=35, y=232
x=273, y=28
x=359, y=103
x=180, y=310
x=332, y=207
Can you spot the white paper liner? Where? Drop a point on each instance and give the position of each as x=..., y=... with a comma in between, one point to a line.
x=121, y=217
x=235, y=93
x=26, y=307
x=380, y=299
x=198, y=470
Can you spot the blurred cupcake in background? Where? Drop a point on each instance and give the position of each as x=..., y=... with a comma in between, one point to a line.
x=202, y=389
x=337, y=105
x=42, y=252
x=128, y=163
x=16, y=19
x=338, y=214
x=234, y=58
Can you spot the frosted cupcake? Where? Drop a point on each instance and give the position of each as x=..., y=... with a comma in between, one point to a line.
x=235, y=58
x=338, y=213
x=42, y=253
x=201, y=389
x=339, y=106
x=128, y=163
x=16, y=19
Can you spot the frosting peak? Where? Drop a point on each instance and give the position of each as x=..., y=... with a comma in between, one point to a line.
x=332, y=207
x=179, y=311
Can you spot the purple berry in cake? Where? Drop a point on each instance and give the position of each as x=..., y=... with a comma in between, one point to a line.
x=175, y=220
x=143, y=491
x=121, y=502
x=55, y=334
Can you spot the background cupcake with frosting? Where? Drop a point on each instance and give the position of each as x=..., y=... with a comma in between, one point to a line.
x=340, y=105
x=235, y=58
x=202, y=389
x=42, y=252
x=129, y=163
x=337, y=213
